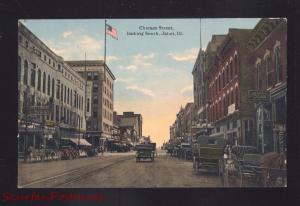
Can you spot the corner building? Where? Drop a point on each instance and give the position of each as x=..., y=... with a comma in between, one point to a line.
x=44, y=79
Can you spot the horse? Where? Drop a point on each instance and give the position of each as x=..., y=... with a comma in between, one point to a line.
x=273, y=167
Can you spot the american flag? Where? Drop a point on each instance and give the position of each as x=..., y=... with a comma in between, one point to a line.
x=111, y=31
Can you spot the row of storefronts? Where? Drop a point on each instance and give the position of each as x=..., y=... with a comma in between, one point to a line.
x=241, y=88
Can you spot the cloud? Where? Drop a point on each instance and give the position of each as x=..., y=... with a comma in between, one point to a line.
x=139, y=61
x=67, y=33
x=144, y=91
x=75, y=44
x=112, y=58
x=189, y=55
x=186, y=89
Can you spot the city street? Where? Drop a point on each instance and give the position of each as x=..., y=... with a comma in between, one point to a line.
x=114, y=170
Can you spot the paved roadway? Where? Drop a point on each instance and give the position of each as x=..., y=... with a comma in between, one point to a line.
x=114, y=170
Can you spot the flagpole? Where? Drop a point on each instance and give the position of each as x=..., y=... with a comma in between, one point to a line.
x=105, y=42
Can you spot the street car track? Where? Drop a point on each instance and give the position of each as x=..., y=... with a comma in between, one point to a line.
x=72, y=175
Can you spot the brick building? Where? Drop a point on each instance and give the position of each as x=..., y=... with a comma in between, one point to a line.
x=268, y=46
x=229, y=79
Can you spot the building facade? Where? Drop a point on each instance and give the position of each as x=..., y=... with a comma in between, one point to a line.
x=130, y=124
x=51, y=95
x=268, y=43
x=100, y=123
x=229, y=79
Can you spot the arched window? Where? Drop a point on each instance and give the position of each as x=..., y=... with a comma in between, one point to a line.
x=19, y=68
x=236, y=65
x=53, y=85
x=269, y=72
x=277, y=65
x=237, y=103
x=48, y=86
x=44, y=82
x=227, y=74
x=39, y=80
x=25, y=80
x=68, y=98
x=231, y=70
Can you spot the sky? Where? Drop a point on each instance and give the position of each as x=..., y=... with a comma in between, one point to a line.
x=153, y=73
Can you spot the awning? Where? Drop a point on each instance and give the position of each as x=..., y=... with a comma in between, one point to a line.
x=81, y=142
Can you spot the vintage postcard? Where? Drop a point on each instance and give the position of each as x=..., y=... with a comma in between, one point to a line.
x=144, y=103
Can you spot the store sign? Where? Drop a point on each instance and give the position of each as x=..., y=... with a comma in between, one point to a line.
x=38, y=110
x=231, y=108
x=258, y=96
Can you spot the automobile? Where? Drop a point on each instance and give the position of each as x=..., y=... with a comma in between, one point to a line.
x=208, y=153
x=185, y=151
x=145, y=151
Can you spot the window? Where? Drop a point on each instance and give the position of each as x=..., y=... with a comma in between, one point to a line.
x=269, y=72
x=212, y=142
x=48, y=86
x=26, y=44
x=277, y=65
x=44, y=82
x=231, y=70
x=39, y=80
x=88, y=105
x=95, y=75
x=95, y=87
x=19, y=68
x=89, y=75
x=95, y=113
x=81, y=103
x=68, y=96
x=45, y=58
x=62, y=92
x=57, y=89
x=237, y=98
x=227, y=74
x=71, y=97
x=49, y=61
x=52, y=94
x=236, y=65
x=32, y=79
x=95, y=99
x=59, y=67
x=20, y=39
x=258, y=73
x=65, y=94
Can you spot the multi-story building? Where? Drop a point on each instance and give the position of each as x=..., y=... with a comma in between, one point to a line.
x=51, y=95
x=229, y=79
x=100, y=123
x=268, y=43
x=129, y=121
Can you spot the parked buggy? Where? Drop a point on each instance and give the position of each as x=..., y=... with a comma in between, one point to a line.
x=245, y=167
x=207, y=153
